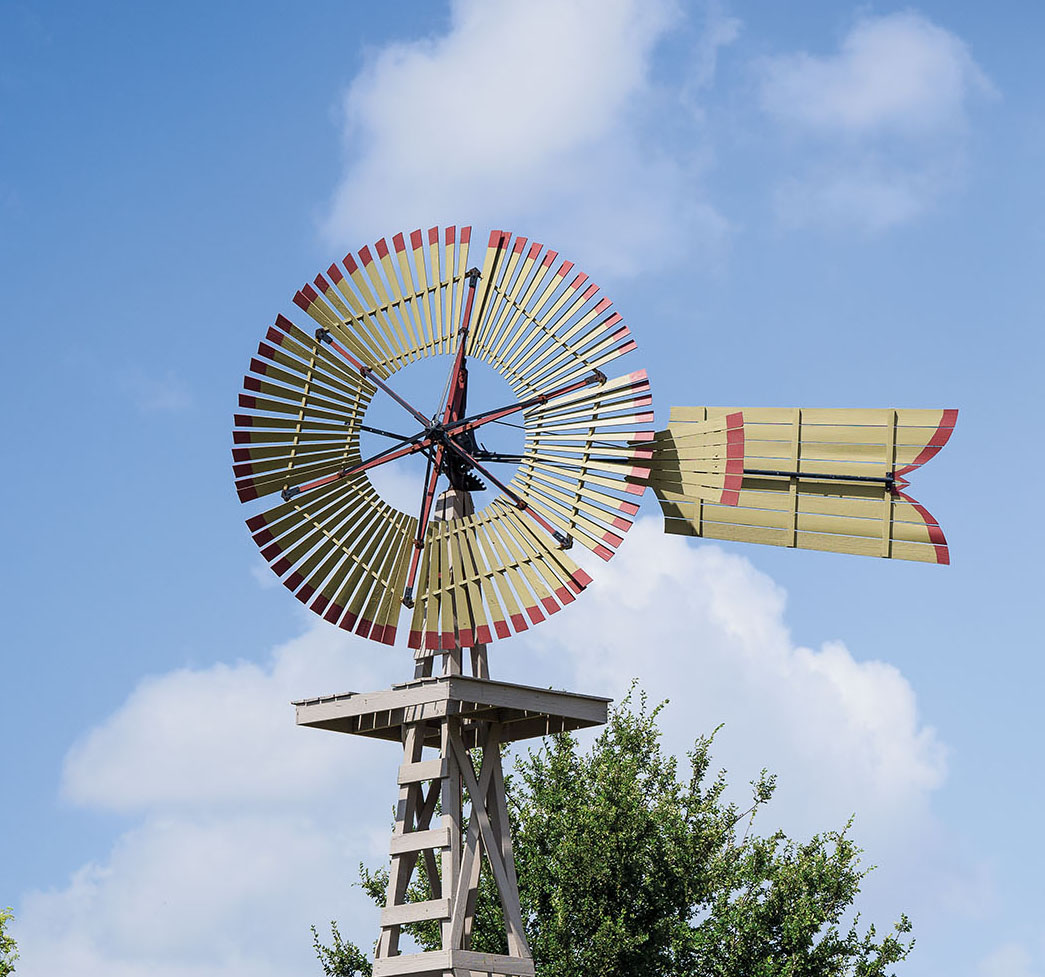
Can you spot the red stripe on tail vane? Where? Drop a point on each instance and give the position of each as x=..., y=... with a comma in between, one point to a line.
x=622, y=524
x=502, y=630
x=382, y=248
x=399, y=243
x=520, y=243
x=433, y=235
x=254, y=523
x=466, y=234
x=550, y=606
x=415, y=239
x=939, y=438
x=241, y=437
x=483, y=634
x=319, y=604
x=447, y=641
x=578, y=280
x=414, y=640
x=300, y=301
x=350, y=264
x=252, y=383
x=564, y=595
x=309, y=292
x=465, y=637
x=257, y=366
x=247, y=493
x=321, y=283
x=603, y=553
x=335, y=274
x=305, y=593
x=937, y=538
x=449, y=234
x=535, y=249
x=267, y=351
x=243, y=420
x=365, y=256
x=549, y=258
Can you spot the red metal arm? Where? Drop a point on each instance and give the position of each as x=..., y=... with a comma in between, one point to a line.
x=458, y=384
x=478, y=420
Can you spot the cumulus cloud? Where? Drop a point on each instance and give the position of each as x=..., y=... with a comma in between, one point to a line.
x=247, y=829
x=543, y=112
x=879, y=127
x=221, y=735
x=707, y=630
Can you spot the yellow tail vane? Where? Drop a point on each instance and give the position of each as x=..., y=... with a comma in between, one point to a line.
x=824, y=479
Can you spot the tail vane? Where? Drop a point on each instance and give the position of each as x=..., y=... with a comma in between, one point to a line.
x=822, y=479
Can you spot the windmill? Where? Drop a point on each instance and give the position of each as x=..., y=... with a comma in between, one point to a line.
x=462, y=576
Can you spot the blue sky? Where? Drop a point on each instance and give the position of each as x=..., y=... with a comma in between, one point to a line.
x=813, y=204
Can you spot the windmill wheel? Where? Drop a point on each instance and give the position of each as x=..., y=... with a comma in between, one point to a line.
x=471, y=575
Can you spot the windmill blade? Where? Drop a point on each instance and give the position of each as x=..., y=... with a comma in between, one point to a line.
x=823, y=479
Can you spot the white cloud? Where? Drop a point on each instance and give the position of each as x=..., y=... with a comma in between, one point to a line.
x=706, y=630
x=880, y=126
x=540, y=114
x=225, y=734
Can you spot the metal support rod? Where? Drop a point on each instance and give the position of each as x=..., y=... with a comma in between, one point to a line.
x=888, y=480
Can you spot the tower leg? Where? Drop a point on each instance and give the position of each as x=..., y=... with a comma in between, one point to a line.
x=452, y=857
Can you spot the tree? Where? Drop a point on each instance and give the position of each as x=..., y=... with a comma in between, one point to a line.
x=8, y=948
x=625, y=869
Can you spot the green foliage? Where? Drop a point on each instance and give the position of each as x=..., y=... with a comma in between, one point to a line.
x=342, y=959
x=626, y=869
x=8, y=948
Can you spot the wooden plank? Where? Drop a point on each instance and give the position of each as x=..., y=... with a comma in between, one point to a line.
x=415, y=912
x=434, y=962
x=414, y=841
x=435, y=769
